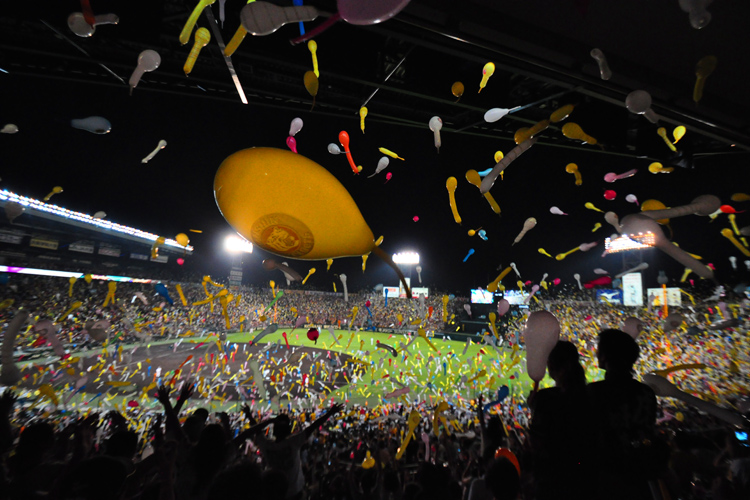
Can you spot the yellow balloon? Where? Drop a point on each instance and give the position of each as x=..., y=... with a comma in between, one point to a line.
x=487, y=72
x=182, y=239
x=202, y=37
x=457, y=89
x=362, y=115
x=678, y=133
x=591, y=206
x=311, y=83
x=663, y=134
x=572, y=168
x=451, y=185
x=498, y=156
x=703, y=69
x=313, y=47
x=300, y=227
x=574, y=131
x=562, y=113
x=55, y=190
x=740, y=197
x=658, y=168
x=654, y=205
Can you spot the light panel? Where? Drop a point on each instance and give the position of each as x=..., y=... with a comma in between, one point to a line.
x=627, y=242
x=70, y=215
x=406, y=258
x=69, y=274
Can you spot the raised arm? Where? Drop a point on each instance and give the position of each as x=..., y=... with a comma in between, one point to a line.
x=172, y=423
x=319, y=422
x=185, y=393
x=252, y=431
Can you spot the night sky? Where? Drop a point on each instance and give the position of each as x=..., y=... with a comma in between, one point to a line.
x=173, y=193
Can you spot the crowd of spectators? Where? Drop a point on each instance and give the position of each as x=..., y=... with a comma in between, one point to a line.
x=607, y=439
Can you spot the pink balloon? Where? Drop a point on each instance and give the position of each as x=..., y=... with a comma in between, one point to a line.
x=415, y=218
x=180, y=261
x=610, y=195
x=541, y=334
x=556, y=281
x=503, y=306
x=528, y=282
x=604, y=280
x=291, y=142
x=388, y=176
x=364, y=13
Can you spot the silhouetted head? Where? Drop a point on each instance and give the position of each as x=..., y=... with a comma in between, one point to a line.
x=282, y=427
x=565, y=367
x=502, y=479
x=617, y=352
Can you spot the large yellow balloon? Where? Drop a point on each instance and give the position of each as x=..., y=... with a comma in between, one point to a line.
x=250, y=185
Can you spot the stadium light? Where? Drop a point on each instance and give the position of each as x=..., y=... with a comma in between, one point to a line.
x=406, y=258
x=235, y=244
x=627, y=242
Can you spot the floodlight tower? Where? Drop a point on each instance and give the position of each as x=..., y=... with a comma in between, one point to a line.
x=407, y=260
x=630, y=247
x=237, y=248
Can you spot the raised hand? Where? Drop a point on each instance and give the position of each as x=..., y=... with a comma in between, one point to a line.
x=162, y=394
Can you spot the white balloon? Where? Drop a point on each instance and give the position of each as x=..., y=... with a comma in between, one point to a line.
x=93, y=124
x=494, y=114
x=334, y=149
x=148, y=61
x=162, y=144
x=10, y=128
x=78, y=25
x=435, y=125
x=604, y=72
x=631, y=198
x=295, y=126
x=556, y=211
x=639, y=102
x=382, y=165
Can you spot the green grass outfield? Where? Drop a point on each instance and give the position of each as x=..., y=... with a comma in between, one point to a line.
x=497, y=365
